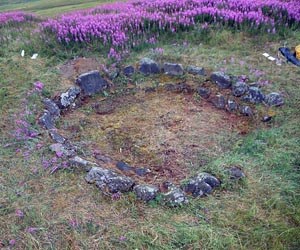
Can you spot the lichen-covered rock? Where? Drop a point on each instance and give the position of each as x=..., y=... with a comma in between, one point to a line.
x=219, y=101
x=239, y=88
x=254, y=95
x=236, y=173
x=56, y=136
x=146, y=192
x=203, y=92
x=91, y=83
x=67, y=98
x=274, y=99
x=109, y=181
x=194, y=70
x=52, y=107
x=47, y=120
x=246, y=110
x=173, y=69
x=148, y=66
x=86, y=165
x=231, y=105
x=128, y=70
x=222, y=80
x=200, y=185
x=175, y=197
x=62, y=149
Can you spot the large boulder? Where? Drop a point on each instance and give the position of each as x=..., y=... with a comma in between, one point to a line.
x=146, y=192
x=274, y=99
x=173, y=69
x=201, y=184
x=222, y=80
x=91, y=83
x=109, y=181
x=239, y=88
x=254, y=95
x=194, y=70
x=67, y=98
x=148, y=66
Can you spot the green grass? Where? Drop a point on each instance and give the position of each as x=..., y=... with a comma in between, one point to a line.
x=261, y=212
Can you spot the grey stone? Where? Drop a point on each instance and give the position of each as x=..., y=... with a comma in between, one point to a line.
x=246, y=110
x=142, y=171
x=56, y=136
x=146, y=192
x=67, y=98
x=254, y=95
x=109, y=181
x=178, y=88
x=204, y=92
x=236, y=173
x=113, y=74
x=175, y=197
x=52, y=107
x=61, y=148
x=201, y=184
x=124, y=166
x=195, y=70
x=231, y=105
x=274, y=99
x=148, y=66
x=86, y=165
x=222, y=80
x=219, y=102
x=266, y=118
x=128, y=70
x=46, y=120
x=173, y=69
x=91, y=83
x=239, y=88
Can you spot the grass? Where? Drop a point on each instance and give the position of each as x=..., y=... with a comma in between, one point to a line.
x=261, y=212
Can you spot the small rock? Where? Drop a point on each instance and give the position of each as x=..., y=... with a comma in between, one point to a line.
x=236, y=173
x=178, y=88
x=246, y=110
x=266, y=118
x=109, y=181
x=232, y=105
x=124, y=166
x=195, y=70
x=204, y=92
x=59, y=148
x=67, y=98
x=52, y=107
x=175, y=197
x=222, y=80
x=173, y=69
x=113, y=74
x=254, y=95
x=239, y=88
x=219, y=102
x=142, y=171
x=46, y=120
x=146, y=192
x=56, y=136
x=274, y=99
x=128, y=70
x=91, y=83
x=78, y=161
x=150, y=90
x=149, y=66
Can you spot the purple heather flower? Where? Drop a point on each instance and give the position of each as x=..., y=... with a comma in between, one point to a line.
x=31, y=230
x=122, y=238
x=38, y=86
x=19, y=213
x=12, y=242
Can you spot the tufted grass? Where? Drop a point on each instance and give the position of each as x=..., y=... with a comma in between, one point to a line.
x=261, y=212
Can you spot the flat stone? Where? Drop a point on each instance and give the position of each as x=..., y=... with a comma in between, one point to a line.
x=194, y=70
x=109, y=181
x=86, y=165
x=254, y=95
x=60, y=148
x=204, y=92
x=52, y=107
x=173, y=69
x=47, y=120
x=274, y=99
x=67, y=98
x=128, y=70
x=142, y=171
x=231, y=105
x=91, y=83
x=178, y=88
x=239, y=88
x=246, y=110
x=148, y=66
x=146, y=192
x=124, y=166
x=222, y=80
x=56, y=136
x=175, y=197
x=219, y=102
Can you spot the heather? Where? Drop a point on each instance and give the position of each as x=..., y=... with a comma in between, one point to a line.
x=14, y=17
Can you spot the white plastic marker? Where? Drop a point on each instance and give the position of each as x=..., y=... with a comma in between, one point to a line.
x=23, y=53
x=34, y=56
x=271, y=58
x=265, y=54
